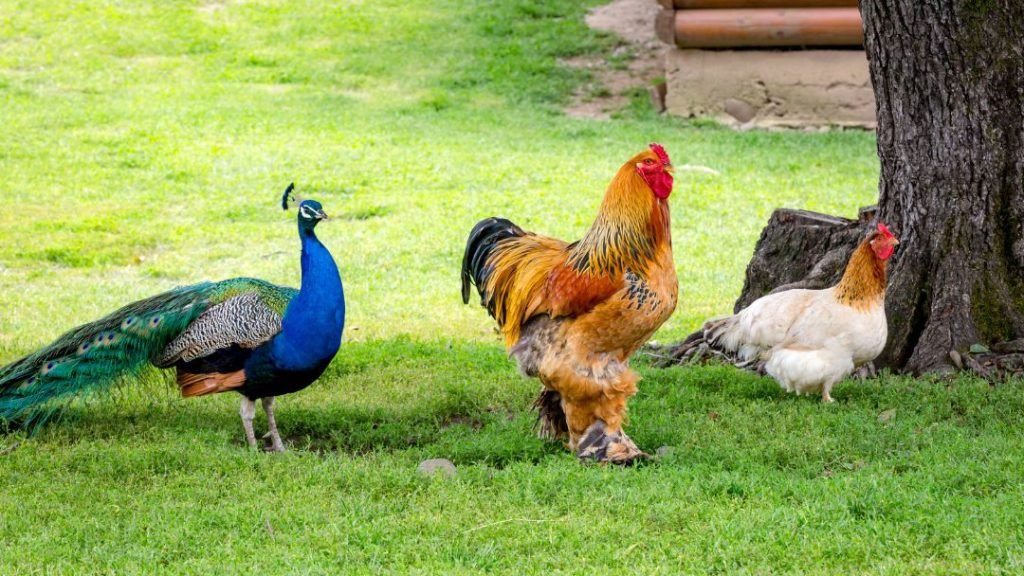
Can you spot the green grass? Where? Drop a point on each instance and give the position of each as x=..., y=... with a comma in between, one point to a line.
x=145, y=145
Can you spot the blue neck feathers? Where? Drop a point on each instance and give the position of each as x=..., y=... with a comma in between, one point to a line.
x=313, y=322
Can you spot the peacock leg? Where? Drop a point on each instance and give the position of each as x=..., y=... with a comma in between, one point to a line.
x=275, y=439
x=248, y=412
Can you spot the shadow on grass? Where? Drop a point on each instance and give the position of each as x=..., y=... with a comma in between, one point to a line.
x=465, y=402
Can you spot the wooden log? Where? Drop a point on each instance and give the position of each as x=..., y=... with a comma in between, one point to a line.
x=718, y=4
x=762, y=27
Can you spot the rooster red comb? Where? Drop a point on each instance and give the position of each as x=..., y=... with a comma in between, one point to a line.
x=884, y=231
x=660, y=151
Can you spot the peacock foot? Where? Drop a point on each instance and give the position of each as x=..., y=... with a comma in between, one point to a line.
x=601, y=446
x=274, y=444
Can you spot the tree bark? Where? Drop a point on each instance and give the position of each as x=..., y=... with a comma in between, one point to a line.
x=948, y=77
x=949, y=81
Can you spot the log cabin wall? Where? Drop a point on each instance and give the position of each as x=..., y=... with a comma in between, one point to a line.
x=794, y=63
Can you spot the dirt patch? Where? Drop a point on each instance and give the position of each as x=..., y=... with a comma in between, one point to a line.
x=635, y=63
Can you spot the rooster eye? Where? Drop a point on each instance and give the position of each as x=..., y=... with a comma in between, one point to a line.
x=648, y=161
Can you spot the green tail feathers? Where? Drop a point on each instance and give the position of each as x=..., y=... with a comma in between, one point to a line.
x=93, y=357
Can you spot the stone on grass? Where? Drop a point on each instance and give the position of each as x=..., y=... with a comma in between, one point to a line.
x=437, y=466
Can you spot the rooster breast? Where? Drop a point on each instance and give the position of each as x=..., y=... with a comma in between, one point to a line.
x=622, y=323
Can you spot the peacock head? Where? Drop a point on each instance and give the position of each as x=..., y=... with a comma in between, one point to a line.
x=310, y=211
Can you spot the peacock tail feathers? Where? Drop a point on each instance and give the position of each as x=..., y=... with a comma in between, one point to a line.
x=95, y=356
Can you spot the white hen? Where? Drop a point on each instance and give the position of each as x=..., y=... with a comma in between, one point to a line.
x=811, y=339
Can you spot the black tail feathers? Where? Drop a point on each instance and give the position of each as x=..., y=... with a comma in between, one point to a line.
x=482, y=240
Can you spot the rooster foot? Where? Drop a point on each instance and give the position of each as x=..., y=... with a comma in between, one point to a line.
x=601, y=446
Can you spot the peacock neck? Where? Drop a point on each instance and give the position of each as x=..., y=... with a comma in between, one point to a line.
x=313, y=322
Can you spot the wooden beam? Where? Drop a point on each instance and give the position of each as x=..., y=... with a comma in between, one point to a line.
x=764, y=28
x=718, y=4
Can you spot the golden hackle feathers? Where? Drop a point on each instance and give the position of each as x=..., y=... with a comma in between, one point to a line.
x=630, y=224
x=863, y=283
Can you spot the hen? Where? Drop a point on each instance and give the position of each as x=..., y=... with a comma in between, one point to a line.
x=811, y=339
x=573, y=314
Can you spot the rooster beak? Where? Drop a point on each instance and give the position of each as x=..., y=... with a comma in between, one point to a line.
x=671, y=171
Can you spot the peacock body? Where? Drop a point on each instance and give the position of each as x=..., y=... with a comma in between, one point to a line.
x=242, y=334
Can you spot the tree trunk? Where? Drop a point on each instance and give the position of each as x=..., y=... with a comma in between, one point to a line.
x=949, y=81
x=948, y=77
x=801, y=249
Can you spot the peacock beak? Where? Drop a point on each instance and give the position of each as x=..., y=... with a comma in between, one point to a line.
x=321, y=215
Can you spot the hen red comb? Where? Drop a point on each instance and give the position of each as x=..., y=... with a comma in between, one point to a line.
x=660, y=151
x=884, y=230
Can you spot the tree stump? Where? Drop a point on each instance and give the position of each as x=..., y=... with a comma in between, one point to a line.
x=801, y=249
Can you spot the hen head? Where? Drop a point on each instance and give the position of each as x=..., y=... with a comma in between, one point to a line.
x=883, y=242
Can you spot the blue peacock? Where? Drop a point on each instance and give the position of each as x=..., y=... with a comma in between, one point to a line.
x=242, y=334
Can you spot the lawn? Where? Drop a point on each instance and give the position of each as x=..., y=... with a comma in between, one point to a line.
x=145, y=145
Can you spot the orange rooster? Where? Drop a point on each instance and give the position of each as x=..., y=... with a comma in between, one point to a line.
x=811, y=339
x=573, y=314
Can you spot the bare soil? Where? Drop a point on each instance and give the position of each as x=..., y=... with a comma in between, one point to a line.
x=636, y=62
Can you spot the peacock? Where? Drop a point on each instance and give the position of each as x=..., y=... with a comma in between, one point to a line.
x=244, y=334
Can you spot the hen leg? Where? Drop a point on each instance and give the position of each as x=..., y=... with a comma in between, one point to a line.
x=275, y=439
x=826, y=392
x=248, y=412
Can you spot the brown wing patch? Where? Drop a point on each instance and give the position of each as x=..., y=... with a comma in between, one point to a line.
x=209, y=383
x=571, y=293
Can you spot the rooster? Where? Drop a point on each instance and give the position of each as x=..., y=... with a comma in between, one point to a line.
x=811, y=339
x=573, y=314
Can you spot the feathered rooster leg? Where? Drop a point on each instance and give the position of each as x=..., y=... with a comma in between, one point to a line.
x=248, y=412
x=551, y=421
x=594, y=413
x=275, y=439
